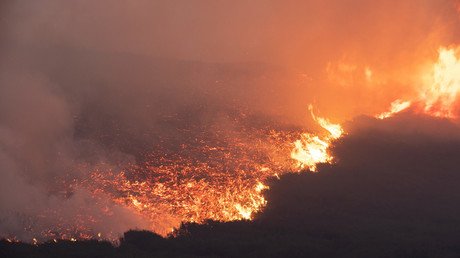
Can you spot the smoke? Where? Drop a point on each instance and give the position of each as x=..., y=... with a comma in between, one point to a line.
x=349, y=57
x=39, y=151
x=102, y=83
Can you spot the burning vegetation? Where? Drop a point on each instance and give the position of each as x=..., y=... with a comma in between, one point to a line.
x=97, y=147
x=223, y=177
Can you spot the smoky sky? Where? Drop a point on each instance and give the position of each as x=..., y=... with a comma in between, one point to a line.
x=91, y=82
x=224, y=31
x=325, y=45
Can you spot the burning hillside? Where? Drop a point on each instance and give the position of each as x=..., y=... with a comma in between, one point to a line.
x=99, y=136
x=222, y=177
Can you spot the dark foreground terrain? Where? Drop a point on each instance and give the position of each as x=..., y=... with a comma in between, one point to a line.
x=394, y=192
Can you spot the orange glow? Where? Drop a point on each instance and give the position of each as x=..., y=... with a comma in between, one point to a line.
x=224, y=178
x=441, y=92
x=438, y=98
x=335, y=130
x=396, y=107
x=438, y=93
x=226, y=185
x=311, y=149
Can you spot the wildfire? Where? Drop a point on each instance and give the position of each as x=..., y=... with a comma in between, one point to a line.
x=396, y=107
x=226, y=185
x=439, y=92
x=442, y=89
x=437, y=98
x=224, y=178
x=311, y=149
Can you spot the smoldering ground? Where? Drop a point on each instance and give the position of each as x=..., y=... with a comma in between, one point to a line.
x=392, y=193
x=99, y=82
x=59, y=123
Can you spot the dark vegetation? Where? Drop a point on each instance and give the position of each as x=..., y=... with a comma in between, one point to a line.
x=393, y=193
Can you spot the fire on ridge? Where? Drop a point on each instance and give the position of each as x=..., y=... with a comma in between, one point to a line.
x=224, y=180
x=237, y=193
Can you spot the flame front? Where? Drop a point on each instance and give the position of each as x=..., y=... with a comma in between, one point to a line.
x=225, y=179
x=438, y=97
x=311, y=149
x=438, y=93
x=222, y=180
x=227, y=186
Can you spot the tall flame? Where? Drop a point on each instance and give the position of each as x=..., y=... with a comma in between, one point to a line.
x=441, y=93
x=226, y=179
x=437, y=98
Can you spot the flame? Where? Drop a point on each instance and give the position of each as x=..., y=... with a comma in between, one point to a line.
x=226, y=179
x=227, y=186
x=439, y=92
x=310, y=149
x=396, y=107
x=440, y=96
x=223, y=180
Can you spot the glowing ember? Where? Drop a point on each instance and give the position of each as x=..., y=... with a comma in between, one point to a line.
x=223, y=177
x=222, y=180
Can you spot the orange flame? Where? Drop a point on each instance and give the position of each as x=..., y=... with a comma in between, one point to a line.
x=229, y=184
x=396, y=107
x=438, y=98
x=310, y=149
x=440, y=95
